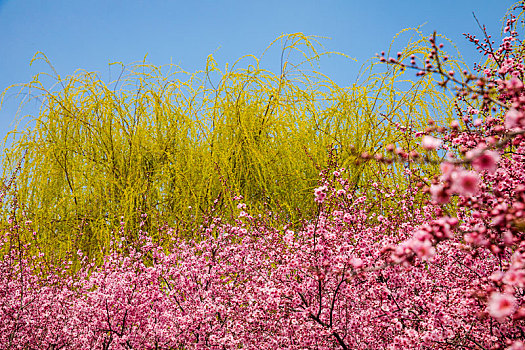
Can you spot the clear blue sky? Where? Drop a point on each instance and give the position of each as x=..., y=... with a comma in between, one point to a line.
x=88, y=35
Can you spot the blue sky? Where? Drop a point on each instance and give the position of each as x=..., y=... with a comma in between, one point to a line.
x=88, y=35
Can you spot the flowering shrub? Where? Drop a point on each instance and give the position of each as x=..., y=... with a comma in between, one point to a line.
x=445, y=274
x=334, y=284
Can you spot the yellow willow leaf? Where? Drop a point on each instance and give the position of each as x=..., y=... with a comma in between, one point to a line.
x=179, y=145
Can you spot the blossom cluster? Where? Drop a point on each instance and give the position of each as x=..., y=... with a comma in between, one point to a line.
x=333, y=284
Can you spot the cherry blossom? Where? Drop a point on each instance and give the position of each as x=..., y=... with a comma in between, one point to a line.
x=501, y=305
x=430, y=143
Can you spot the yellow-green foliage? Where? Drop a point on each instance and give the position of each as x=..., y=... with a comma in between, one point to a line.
x=170, y=143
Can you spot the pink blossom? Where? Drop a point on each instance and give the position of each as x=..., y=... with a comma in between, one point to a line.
x=488, y=160
x=446, y=170
x=424, y=249
x=465, y=182
x=518, y=260
x=289, y=237
x=439, y=193
x=497, y=276
x=320, y=194
x=517, y=345
x=430, y=143
x=501, y=305
x=356, y=263
x=514, y=84
x=514, y=119
x=515, y=278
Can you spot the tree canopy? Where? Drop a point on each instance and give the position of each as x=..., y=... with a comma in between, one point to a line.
x=180, y=145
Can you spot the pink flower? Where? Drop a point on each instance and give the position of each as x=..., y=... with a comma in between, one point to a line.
x=518, y=260
x=465, y=183
x=514, y=84
x=496, y=276
x=487, y=160
x=320, y=195
x=514, y=119
x=517, y=345
x=357, y=263
x=424, y=249
x=430, y=143
x=289, y=237
x=446, y=170
x=501, y=305
x=515, y=278
x=439, y=194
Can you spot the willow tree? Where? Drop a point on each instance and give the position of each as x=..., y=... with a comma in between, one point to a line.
x=178, y=146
